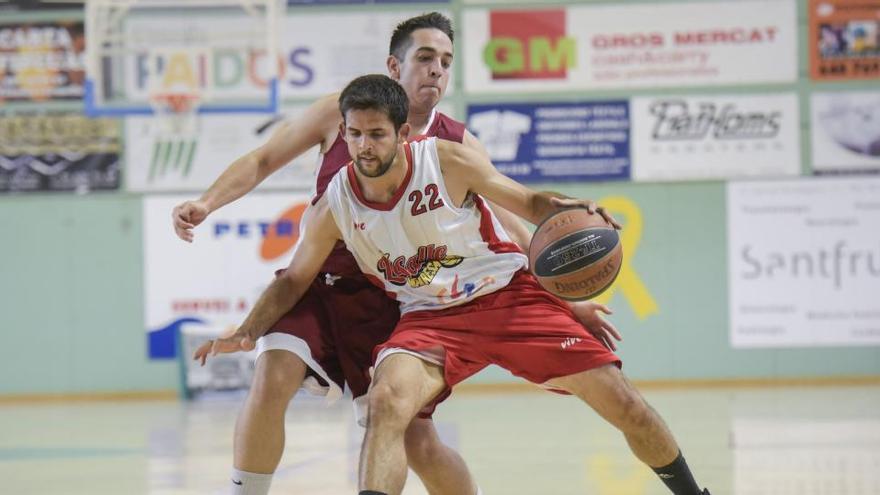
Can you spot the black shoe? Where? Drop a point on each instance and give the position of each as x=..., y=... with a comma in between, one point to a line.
x=706, y=491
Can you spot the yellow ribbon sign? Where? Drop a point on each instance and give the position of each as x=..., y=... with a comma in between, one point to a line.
x=602, y=471
x=628, y=281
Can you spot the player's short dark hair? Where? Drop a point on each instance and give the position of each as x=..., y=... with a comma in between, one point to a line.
x=376, y=92
x=401, y=39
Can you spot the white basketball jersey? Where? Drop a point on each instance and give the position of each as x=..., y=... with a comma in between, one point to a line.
x=422, y=248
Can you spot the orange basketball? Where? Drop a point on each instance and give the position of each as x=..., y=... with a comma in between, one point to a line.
x=576, y=255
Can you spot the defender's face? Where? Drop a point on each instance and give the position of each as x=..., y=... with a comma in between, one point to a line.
x=424, y=70
x=372, y=142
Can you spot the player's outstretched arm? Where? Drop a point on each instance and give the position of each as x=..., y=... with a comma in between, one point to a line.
x=315, y=244
x=511, y=223
x=292, y=138
x=466, y=168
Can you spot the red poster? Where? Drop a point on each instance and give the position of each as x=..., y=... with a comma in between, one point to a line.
x=844, y=39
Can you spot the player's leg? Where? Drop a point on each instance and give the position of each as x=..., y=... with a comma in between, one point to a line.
x=611, y=395
x=402, y=385
x=297, y=346
x=368, y=318
x=259, y=430
x=441, y=468
x=535, y=336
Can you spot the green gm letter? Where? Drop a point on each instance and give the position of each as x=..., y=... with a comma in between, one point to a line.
x=543, y=56
x=511, y=48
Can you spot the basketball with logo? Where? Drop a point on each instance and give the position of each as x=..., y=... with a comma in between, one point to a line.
x=575, y=255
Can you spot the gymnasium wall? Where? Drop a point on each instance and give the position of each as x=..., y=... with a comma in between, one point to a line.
x=77, y=306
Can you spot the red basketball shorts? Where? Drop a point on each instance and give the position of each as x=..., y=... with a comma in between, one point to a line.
x=522, y=328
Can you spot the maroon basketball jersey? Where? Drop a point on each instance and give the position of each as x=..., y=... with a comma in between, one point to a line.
x=340, y=261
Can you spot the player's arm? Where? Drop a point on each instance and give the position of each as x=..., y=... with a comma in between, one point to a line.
x=511, y=223
x=315, y=244
x=291, y=139
x=467, y=169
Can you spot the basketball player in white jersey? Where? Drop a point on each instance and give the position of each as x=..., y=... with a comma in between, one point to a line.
x=328, y=338
x=415, y=218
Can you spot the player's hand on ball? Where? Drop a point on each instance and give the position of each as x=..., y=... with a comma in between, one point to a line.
x=237, y=341
x=590, y=205
x=186, y=216
x=588, y=313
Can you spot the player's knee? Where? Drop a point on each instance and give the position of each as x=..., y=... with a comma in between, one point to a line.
x=277, y=377
x=389, y=406
x=634, y=414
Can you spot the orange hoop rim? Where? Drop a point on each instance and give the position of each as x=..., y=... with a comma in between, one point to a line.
x=176, y=101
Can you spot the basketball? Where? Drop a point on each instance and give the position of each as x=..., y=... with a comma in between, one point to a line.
x=576, y=255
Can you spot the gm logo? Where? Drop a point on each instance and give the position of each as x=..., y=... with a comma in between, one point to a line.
x=529, y=44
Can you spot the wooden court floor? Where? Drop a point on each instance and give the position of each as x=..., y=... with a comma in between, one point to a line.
x=743, y=441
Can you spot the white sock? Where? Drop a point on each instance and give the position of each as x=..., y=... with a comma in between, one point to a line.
x=479, y=492
x=245, y=483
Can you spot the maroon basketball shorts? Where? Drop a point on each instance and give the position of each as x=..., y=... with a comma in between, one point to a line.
x=521, y=327
x=334, y=329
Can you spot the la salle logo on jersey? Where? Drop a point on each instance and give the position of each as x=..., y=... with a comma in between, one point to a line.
x=529, y=44
x=419, y=269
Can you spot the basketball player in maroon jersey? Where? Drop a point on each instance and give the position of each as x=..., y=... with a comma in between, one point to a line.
x=328, y=338
x=423, y=202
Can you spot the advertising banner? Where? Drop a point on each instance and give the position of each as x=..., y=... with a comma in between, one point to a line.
x=844, y=39
x=585, y=47
x=319, y=53
x=42, y=61
x=58, y=151
x=846, y=132
x=715, y=137
x=323, y=52
x=156, y=161
x=533, y=142
x=214, y=281
x=804, y=262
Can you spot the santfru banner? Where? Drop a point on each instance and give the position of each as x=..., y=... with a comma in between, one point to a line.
x=715, y=137
x=157, y=161
x=533, y=142
x=804, y=262
x=846, y=132
x=649, y=45
x=42, y=61
x=844, y=42
x=58, y=151
x=214, y=281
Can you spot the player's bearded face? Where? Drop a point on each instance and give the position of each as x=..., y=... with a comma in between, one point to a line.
x=371, y=166
x=372, y=141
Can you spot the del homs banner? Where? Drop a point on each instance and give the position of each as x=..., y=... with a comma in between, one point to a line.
x=804, y=262
x=715, y=137
x=214, y=281
x=649, y=45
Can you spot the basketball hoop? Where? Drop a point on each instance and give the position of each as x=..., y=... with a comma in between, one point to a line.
x=177, y=112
